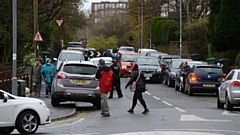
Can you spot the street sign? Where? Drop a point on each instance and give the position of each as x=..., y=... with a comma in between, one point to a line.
x=59, y=22
x=38, y=37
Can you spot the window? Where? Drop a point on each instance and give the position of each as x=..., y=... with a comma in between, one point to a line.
x=95, y=7
x=129, y=58
x=1, y=95
x=238, y=76
x=208, y=70
x=175, y=64
x=69, y=56
x=230, y=76
x=80, y=69
x=153, y=62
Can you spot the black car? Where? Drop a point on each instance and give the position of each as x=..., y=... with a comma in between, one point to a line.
x=150, y=67
x=171, y=69
x=89, y=53
x=179, y=79
x=155, y=54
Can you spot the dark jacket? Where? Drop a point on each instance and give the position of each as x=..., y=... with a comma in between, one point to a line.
x=105, y=77
x=36, y=75
x=134, y=75
x=116, y=71
x=186, y=70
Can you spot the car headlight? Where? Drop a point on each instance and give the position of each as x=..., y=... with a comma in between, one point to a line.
x=43, y=104
x=158, y=71
x=124, y=66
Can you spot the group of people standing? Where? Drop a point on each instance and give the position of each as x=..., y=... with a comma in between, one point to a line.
x=109, y=77
x=45, y=72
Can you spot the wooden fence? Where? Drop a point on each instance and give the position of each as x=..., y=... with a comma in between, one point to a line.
x=6, y=77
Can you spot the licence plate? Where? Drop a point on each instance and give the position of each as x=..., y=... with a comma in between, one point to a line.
x=147, y=75
x=208, y=85
x=80, y=81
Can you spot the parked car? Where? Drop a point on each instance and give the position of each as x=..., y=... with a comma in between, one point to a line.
x=126, y=49
x=75, y=81
x=23, y=113
x=75, y=46
x=69, y=55
x=179, y=78
x=150, y=67
x=155, y=54
x=171, y=71
x=126, y=59
x=204, y=79
x=229, y=91
x=89, y=52
x=108, y=60
x=144, y=51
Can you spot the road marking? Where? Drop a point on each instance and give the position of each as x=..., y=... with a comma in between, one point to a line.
x=148, y=93
x=187, y=117
x=156, y=98
x=230, y=113
x=63, y=125
x=167, y=103
x=180, y=110
x=201, y=130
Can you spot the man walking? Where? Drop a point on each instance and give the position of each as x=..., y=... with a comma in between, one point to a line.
x=48, y=72
x=105, y=77
x=116, y=79
x=36, y=77
x=184, y=72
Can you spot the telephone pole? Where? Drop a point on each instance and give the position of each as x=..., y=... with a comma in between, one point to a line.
x=35, y=16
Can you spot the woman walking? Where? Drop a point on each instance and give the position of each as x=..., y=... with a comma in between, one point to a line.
x=137, y=76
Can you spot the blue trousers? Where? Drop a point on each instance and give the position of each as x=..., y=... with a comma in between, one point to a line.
x=48, y=87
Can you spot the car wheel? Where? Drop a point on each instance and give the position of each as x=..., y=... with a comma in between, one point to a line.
x=97, y=103
x=176, y=87
x=190, y=91
x=229, y=106
x=27, y=122
x=55, y=102
x=219, y=104
x=6, y=131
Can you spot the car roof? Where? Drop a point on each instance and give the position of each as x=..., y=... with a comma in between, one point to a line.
x=197, y=62
x=104, y=58
x=188, y=60
x=71, y=51
x=129, y=53
x=79, y=62
x=146, y=49
x=213, y=65
x=170, y=56
x=147, y=57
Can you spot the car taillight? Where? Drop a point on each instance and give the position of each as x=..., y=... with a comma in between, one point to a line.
x=223, y=78
x=193, y=77
x=235, y=84
x=61, y=76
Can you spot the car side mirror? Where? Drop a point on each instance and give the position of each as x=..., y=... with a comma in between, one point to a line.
x=55, y=59
x=5, y=97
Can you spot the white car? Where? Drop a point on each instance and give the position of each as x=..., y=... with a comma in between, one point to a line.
x=108, y=60
x=229, y=91
x=23, y=113
x=144, y=51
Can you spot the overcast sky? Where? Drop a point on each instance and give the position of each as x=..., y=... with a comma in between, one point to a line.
x=87, y=5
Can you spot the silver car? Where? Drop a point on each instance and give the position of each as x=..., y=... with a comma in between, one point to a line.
x=69, y=55
x=229, y=91
x=75, y=81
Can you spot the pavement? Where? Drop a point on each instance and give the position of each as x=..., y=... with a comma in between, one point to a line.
x=65, y=110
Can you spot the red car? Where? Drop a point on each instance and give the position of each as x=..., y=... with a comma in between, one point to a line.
x=126, y=60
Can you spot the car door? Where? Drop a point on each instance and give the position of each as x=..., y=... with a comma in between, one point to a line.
x=225, y=85
x=6, y=111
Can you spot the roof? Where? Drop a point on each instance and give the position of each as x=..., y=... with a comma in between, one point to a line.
x=72, y=51
x=146, y=49
x=212, y=65
x=147, y=57
x=79, y=62
x=104, y=58
x=129, y=53
x=197, y=62
x=188, y=60
x=170, y=56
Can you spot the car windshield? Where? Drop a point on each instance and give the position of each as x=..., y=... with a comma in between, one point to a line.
x=70, y=56
x=129, y=58
x=176, y=64
x=154, y=54
x=153, y=62
x=128, y=49
x=166, y=60
x=208, y=70
x=80, y=69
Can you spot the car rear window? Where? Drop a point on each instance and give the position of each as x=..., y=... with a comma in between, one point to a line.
x=208, y=70
x=166, y=60
x=126, y=49
x=69, y=56
x=238, y=76
x=80, y=69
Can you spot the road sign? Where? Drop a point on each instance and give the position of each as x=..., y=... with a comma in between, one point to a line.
x=59, y=22
x=38, y=37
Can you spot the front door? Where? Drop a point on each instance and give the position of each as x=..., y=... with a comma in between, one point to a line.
x=6, y=111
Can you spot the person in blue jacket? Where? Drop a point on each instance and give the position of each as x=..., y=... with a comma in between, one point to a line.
x=107, y=53
x=48, y=72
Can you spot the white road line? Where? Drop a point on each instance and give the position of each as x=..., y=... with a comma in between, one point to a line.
x=230, y=113
x=197, y=118
x=180, y=110
x=167, y=103
x=148, y=93
x=156, y=98
x=63, y=125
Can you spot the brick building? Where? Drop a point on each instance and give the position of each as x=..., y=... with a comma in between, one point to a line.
x=104, y=10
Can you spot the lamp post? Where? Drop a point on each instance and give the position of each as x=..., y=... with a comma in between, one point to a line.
x=14, y=51
x=180, y=53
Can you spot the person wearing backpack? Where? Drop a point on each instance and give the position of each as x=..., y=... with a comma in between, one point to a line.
x=105, y=77
x=137, y=76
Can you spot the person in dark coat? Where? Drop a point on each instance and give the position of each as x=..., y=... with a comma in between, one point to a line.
x=36, y=77
x=140, y=88
x=184, y=72
x=116, y=79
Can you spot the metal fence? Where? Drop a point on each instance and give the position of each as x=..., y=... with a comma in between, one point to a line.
x=6, y=76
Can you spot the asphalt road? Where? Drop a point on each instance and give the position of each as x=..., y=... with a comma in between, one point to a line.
x=171, y=113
